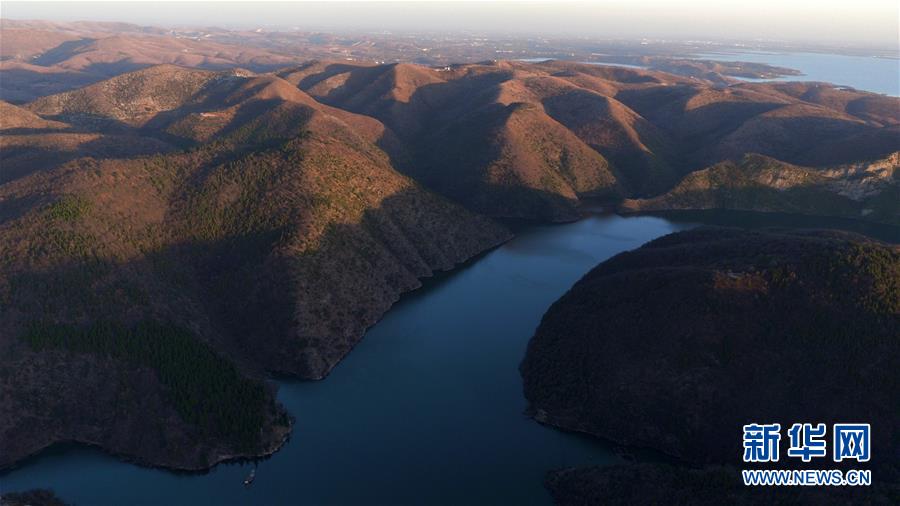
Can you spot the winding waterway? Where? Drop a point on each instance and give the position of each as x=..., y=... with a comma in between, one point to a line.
x=428, y=409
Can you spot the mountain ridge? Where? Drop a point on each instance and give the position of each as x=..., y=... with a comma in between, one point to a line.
x=275, y=216
x=275, y=244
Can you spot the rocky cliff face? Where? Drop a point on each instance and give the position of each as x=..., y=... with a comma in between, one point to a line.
x=865, y=190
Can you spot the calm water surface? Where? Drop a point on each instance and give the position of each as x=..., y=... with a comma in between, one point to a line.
x=867, y=73
x=428, y=408
x=879, y=75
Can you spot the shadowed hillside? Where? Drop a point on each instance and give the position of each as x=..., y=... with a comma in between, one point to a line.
x=273, y=217
x=471, y=133
x=274, y=237
x=39, y=58
x=513, y=139
x=678, y=344
x=30, y=143
x=480, y=133
x=868, y=190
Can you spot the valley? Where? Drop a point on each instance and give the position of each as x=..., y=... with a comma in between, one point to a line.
x=196, y=226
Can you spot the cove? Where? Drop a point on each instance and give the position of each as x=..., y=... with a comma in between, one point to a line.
x=428, y=409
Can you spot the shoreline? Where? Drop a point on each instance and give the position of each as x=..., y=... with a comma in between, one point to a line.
x=69, y=444
x=273, y=375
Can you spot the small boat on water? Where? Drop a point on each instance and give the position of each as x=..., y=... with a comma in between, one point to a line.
x=250, y=477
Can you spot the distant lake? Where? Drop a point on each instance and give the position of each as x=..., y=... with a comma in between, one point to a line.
x=428, y=409
x=867, y=73
x=605, y=64
x=879, y=75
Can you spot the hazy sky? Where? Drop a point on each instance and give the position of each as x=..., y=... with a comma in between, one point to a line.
x=869, y=22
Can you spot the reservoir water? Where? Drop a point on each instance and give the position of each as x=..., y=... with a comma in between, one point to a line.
x=428, y=409
x=868, y=73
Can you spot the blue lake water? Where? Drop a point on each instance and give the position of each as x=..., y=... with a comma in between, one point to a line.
x=867, y=73
x=428, y=409
x=879, y=75
x=606, y=64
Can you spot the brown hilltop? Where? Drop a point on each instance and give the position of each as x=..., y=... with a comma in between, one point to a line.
x=23, y=81
x=261, y=112
x=149, y=111
x=111, y=48
x=30, y=143
x=274, y=216
x=650, y=128
x=516, y=139
x=22, y=43
x=626, y=139
x=132, y=98
x=41, y=58
x=867, y=106
x=155, y=97
x=126, y=52
x=276, y=242
x=868, y=190
x=474, y=133
x=17, y=118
